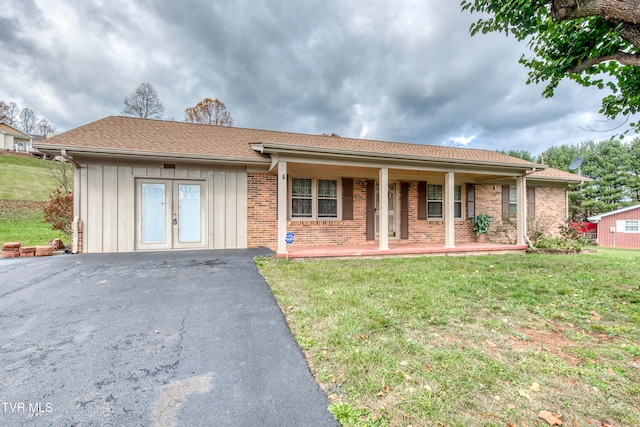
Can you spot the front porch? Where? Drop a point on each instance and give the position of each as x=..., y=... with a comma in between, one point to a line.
x=372, y=250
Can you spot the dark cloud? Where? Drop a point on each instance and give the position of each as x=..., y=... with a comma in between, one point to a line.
x=404, y=71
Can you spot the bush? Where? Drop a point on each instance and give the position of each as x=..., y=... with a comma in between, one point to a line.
x=59, y=211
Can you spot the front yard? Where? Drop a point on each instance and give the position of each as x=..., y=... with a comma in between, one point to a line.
x=470, y=341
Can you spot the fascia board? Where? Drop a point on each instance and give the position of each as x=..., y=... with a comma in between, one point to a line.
x=149, y=155
x=285, y=149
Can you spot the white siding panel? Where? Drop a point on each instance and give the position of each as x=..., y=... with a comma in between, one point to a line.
x=138, y=171
x=106, y=205
x=230, y=209
x=210, y=205
x=181, y=173
x=84, y=205
x=241, y=211
x=126, y=209
x=219, y=210
x=109, y=209
x=167, y=173
x=93, y=228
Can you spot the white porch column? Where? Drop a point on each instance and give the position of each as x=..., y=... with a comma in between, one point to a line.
x=383, y=215
x=521, y=219
x=449, y=210
x=282, y=207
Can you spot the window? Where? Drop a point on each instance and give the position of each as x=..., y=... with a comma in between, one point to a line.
x=301, y=198
x=435, y=201
x=457, y=202
x=513, y=202
x=632, y=226
x=327, y=198
x=313, y=198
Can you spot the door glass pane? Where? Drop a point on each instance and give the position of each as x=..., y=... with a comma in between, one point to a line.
x=153, y=213
x=189, y=213
x=391, y=206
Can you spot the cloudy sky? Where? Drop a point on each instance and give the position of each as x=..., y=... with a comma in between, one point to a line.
x=403, y=70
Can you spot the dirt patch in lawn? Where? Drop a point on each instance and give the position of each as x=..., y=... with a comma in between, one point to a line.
x=554, y=342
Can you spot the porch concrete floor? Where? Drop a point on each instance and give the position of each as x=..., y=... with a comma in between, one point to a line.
x=402, y=249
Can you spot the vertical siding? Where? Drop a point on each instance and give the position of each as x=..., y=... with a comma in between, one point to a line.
x=94, y=214
x=105, y=203
x=241, y=210
x=126, y=209
x=230, y=209
x=110, y=209
x=219, y=210
x=608, y=239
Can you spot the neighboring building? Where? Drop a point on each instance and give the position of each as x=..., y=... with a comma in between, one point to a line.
x=156, y=185
x=619, y=228
x=11, y=139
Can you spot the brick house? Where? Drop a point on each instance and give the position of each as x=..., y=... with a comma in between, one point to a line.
x=619, y=228
x=156, y=185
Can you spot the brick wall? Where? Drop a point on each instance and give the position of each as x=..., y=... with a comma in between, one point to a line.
x=262, y=228
x=262, y=210
x=550, y=212
x=551, y=209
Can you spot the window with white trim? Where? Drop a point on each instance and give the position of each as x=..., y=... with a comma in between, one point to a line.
x=457, y=202
x=435, y=201
x=301, y=198
x=513, y=202
x=632, y=226
x=313, y=198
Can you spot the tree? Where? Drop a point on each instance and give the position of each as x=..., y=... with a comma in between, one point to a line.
x=614, y=167
x=593, y=42
x=28, y=121
x=209, y=112
x=9, y=113
x=59, y=211
x=520, y=154
x=143, y=102
x=43, y=128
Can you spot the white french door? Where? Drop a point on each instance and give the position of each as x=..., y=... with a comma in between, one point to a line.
x=170, y=214
x=393, y=207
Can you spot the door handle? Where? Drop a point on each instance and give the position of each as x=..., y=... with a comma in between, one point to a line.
x=175, y=220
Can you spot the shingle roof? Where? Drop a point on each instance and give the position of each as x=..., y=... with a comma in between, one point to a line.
x=131, y=134
x=559, y=175
x=127, y=134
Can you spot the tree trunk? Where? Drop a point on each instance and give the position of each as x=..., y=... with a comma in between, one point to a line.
x=611, y=10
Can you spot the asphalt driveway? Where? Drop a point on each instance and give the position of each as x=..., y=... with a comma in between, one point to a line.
x=187, y=338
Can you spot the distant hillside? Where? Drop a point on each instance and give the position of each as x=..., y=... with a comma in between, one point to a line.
x=26, y=178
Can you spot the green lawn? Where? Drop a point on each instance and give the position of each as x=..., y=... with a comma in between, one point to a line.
x=26, y=178
x=470, y=341
x=24, y=222
x=25, y=184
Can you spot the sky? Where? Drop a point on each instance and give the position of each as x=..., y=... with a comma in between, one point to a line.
x=402, y=70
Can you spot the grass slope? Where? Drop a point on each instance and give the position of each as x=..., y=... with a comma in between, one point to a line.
x=24, y=222
x=25, y=185
x=470, y=341
x=25, y=178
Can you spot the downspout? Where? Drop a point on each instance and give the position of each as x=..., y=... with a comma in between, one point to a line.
x=68, y=158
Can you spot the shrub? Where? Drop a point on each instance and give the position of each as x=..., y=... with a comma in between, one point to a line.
x=59, y=211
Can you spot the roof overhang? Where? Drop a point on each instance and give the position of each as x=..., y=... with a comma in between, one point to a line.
x=135, y=155
x=320, y=154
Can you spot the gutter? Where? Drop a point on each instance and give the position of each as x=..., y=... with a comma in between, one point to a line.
x=69, y=151
x=269, y=147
